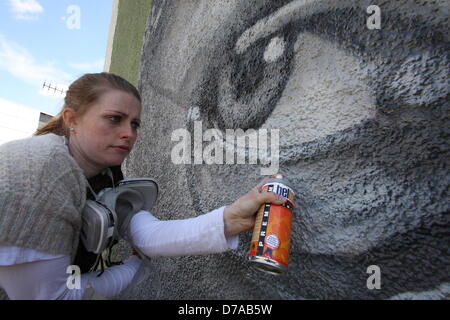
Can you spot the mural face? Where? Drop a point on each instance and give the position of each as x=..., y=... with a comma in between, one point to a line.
x=363, y=118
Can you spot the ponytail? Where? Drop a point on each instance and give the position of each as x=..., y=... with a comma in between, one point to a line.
x=54, y=125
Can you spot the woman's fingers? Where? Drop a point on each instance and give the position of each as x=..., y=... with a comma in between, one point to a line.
x=271, y=197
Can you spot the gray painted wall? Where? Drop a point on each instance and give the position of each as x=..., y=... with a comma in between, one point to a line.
x=364, y=131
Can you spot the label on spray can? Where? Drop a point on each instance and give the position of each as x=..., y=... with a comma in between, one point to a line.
x=271, y=238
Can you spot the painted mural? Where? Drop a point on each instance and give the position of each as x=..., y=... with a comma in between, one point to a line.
x=356, y=94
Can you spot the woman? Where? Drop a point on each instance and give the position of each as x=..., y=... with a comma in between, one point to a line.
x=44, y=184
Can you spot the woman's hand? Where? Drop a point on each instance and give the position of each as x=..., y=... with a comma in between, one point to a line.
x=240, y=215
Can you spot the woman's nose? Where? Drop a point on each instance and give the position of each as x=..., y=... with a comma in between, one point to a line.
x=127, y=131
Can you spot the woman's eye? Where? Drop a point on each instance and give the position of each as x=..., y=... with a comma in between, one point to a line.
x=136, y=125
x=115, y=119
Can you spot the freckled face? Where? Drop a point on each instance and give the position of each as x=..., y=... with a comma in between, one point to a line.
x=106, y=133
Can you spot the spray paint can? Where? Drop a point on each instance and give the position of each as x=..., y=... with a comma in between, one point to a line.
x=270, y=244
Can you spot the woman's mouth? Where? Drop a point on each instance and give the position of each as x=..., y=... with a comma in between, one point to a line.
x=122, y=148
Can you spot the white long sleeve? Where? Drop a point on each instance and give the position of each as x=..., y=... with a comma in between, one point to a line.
x=195, y=236
x=47, y=280
x=28, y=274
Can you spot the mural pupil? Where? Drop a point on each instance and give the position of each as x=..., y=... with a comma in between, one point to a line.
x=249, y=69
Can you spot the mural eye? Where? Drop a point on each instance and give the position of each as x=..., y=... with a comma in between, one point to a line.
x=250, y=68
x=245, y=81
x=252, y=81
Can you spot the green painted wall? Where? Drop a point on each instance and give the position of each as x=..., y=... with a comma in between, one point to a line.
x=128, y=38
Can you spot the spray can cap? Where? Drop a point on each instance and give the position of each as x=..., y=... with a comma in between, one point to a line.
x=278, y=176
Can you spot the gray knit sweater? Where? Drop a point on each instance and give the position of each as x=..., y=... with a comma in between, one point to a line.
x=42, y=194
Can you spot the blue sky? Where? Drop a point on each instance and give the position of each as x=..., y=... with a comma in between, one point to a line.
x=49, y=40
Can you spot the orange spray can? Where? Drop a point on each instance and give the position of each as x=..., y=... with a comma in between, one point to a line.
x=270, y=244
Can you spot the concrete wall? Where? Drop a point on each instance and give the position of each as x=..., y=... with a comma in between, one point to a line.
x=111, y=35
x=363, y=118
x=125, y=38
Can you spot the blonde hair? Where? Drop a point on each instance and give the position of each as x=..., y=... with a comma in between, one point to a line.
x=82, y=93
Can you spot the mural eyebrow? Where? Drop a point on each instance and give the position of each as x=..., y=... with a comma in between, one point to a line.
x=299, y=9
x=272, y=23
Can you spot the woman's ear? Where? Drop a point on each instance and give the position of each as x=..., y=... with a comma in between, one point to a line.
x=69, y=117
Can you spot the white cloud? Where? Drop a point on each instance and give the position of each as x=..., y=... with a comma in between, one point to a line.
x=94, y=66
x=14, y=109
x=25, y=9
x=16, y=121
x=17, y=61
